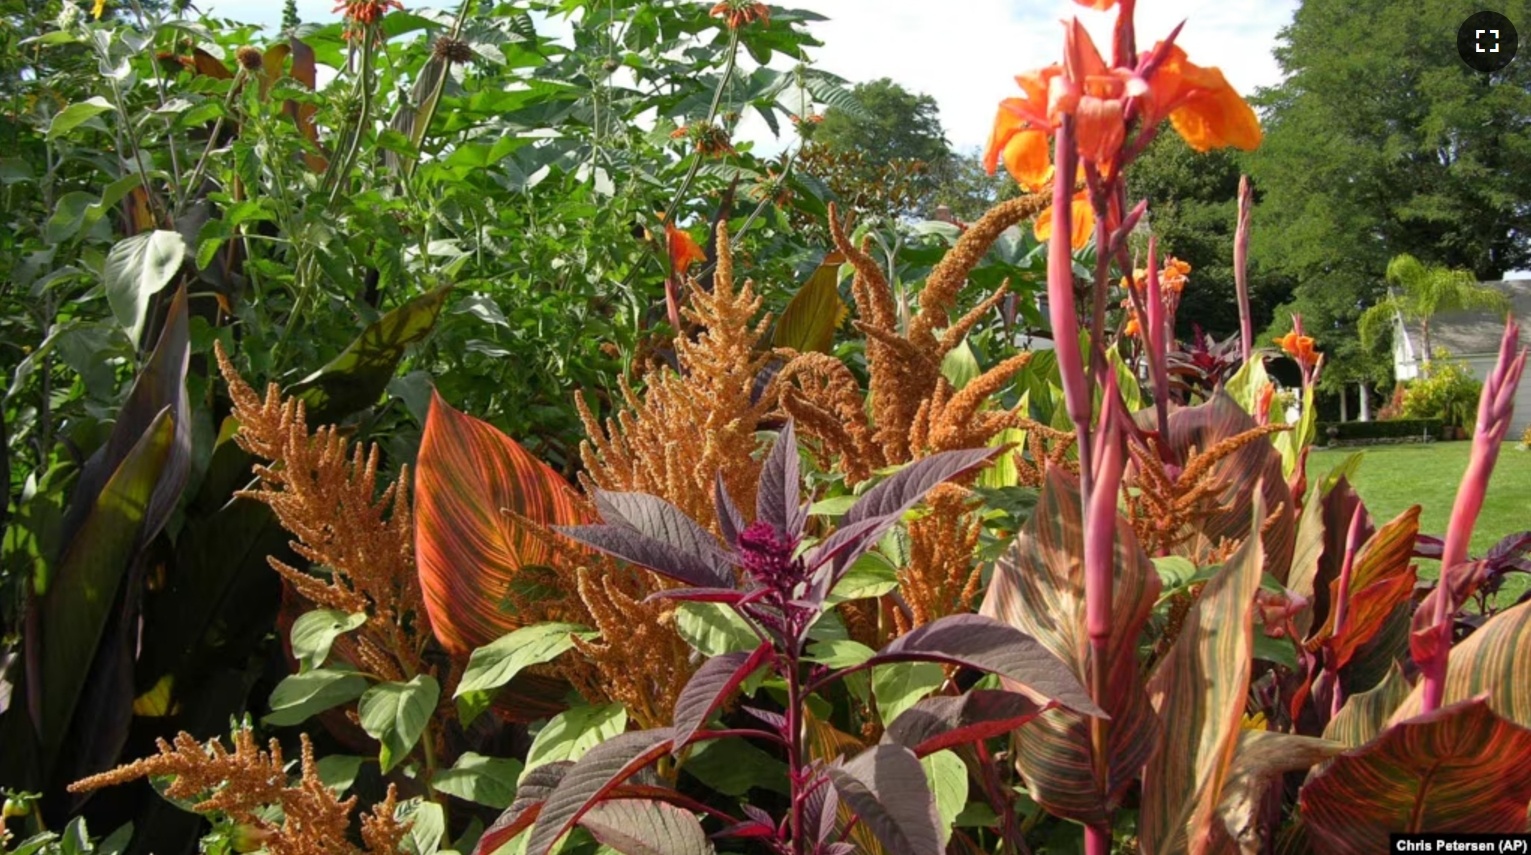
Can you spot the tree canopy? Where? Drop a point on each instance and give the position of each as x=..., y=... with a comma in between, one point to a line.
x=1382, y=141
x=894, y=138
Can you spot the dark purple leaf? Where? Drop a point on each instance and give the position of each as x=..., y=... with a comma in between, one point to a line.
x=821, y=810
x=944, y=722
x=904, y=488
x=593, y=776
x=699, y=595
x=779, y=500
x=535, y=788
x=975, y=641
x=634, y=547
x=654, y=517
x=642, y=827
x=730, y=520
x=776, y=720
x=885, y=787
x=710, y=686
x=882, y=506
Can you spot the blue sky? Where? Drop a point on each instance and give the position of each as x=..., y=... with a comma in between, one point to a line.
x=966, y=52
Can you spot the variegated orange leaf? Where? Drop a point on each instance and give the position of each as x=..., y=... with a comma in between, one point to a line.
x=1320, y=550
x=468, y=549
x=1381, y=578
x=1038, y=587
x=1460, y=769
x=1199, y=691
x=1365, y=714
x=1494, y=661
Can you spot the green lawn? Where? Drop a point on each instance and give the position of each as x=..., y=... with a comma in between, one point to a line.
x=1393, y=477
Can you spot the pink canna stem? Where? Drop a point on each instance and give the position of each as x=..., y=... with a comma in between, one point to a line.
x=1060, y=296
x=1342, y=603
x=1109, y=463
x=1496, y=406
x=1157, y=325
x=1241, y=265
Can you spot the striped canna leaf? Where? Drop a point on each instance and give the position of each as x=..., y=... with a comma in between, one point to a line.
x=1038, y=587
x=1460, y=769
x=1381, y=579
x=1199, y=691
x=1365, y=714
x=1496, y=661
x=469, y=550
x=1320, y=549
x=814, y=313
x=1258, y=764
x=1253, y=467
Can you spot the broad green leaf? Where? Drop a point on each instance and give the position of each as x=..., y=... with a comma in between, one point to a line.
x=713, y=628
x=427, y=826
x=357, y=377
x=77, y=114
x=900, y=685
x=1245, y=385
x=642, y=827
x=1199, y=691
x=299, y=696
x=71, y=617
x=1459, y=770
x=960, y=365
x=1003, y=473
x=734, y=766
x=486, y=780
x=573, y=732
x=1038, y=588
x=314, y=632
x=839, y=653
x=339, y=771
x=808, y=323
x=471, y=553
x=396, y=714
x=136, y=269
x=948, y=779
x=498, y=662
x=870, y=576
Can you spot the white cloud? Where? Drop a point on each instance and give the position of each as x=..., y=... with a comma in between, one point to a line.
x=966, y=54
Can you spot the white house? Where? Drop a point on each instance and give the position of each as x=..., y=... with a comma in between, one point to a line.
x=1473, y=339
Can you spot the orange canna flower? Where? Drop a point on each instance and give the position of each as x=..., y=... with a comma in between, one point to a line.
x=1096, y=95
x=1299, y=347
x=1132, y=327
x=1098, y=5
x=1174, y=274
x=1203, y=108
x=1083, y=225
x=1021, y=132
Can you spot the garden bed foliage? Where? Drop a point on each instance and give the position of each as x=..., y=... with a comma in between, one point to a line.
x=545, y=471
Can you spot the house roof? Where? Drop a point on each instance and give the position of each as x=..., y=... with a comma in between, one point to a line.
x=1475, y=333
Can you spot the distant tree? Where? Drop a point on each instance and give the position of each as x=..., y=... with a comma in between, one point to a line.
x=894, y=132
x=963, y=186
x=1192, y=208
x=1423, y=291
x=1382, y=141
x=290, y=19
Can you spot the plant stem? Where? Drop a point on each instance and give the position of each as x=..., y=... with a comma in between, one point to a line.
x=795, y=699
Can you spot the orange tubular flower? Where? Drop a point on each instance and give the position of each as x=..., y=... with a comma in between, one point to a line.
x=1174, y=274
x=684, y=250
x=1096, y=94
x=1299, y=347
x=741, y=12
x=363, y=13
x=1203, y=108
